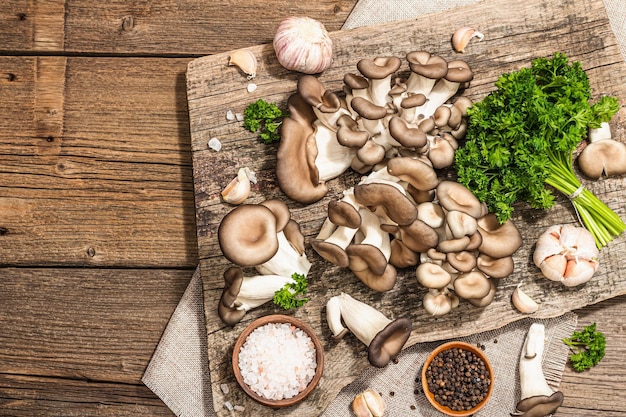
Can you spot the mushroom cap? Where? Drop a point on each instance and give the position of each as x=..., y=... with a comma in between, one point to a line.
x=377, y=282
x=431, y=213
x=247, y=235
x=459, y=71
x=331, y=252
x=367, y=110
x=453, y=245
x=461, y=224
x=499, y=240
x=407, y=136
x=296, y=173
x=345, y=214
x=606, y=156
x=475, y=241
x=414, y=171
x=495, y=267
x=388, y=342
x=431, y=275
x=401, y=256
x=540, y=405
x=441, y=152
x=379, y=67
x=315, y=94
x=442, y=115
x=472, y=284
x=294, y=236
x=455, y=196
x=280, y=211
x=439, y=302
x=487, y=299
x=348, y=133
x=427, y=65
x=414, y=100
x=227, y=310
x=417, y=236
x=355, y=81
x=420, y=196
x=397, y=205
x=371, y=153
x=364, y=257
x=463, y=261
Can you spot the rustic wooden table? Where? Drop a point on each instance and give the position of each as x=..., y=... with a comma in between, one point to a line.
x=97, y=220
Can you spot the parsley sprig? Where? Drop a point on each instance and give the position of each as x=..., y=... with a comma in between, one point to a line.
x=289, y=296
x=522, y=136
x=265, y=118
x=587, y=347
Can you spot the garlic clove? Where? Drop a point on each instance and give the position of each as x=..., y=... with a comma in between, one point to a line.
x=359, y=406
x=245, y=60
x=374, y=402
x=462, y=36
x=522, y=302
x=239, y=188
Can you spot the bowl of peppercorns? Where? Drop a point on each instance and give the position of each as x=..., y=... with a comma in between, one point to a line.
x=457, y=379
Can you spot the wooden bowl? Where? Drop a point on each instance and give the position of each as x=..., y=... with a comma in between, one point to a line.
x=431, y=397
x=319, y=357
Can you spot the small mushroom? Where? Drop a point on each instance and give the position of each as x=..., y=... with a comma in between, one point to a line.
x=433, y=276
x=472, y=284
x=602, y=155
x=385, y=338
x=389, y=196
x=379, y=71
x=537, y=398
x=241, y=294
x=439, y=302
x=401, y=256
x=499, y=240
x=426, y=69
x=414, y=171
x=487, y=299
x=462, y=261
x=455, y=196
x=495, y=267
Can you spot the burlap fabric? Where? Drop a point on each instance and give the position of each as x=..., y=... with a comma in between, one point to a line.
x=178, y=372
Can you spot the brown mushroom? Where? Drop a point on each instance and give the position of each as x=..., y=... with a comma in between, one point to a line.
x=606, y=156
x=495, y=267
x=414, y=171
x=499, y=240
x=454, y=196
x=431, y=275
x=379, y=71
x=463, y=261
x=396, y=204
x=407, y=136
x=472, y=284
x=401, y=256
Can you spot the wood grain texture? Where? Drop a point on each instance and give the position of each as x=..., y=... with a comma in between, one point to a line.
x=529, y=30
x=77, y=341
x=95, y=163
x=165, y=27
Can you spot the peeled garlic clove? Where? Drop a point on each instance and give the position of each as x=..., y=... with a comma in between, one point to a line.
x=239, y=188
x=462, y=36
x=245, y=60
x=522, y=302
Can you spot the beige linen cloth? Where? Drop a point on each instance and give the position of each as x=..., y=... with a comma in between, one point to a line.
x=178, y=372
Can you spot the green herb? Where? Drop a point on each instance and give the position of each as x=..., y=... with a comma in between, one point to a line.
x=288, y=296
x=265, y=118
x=587, y=348
x=522, y=136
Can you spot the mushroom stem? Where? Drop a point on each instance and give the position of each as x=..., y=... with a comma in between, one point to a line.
x=333, y=159
x=333, y=318
x=537, y=398
x=600, y=133
x=259, y=289
x=363, y=320
x=286, y=261
x=373, y=234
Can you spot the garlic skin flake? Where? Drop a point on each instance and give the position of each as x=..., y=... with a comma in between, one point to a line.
x=238, y=189
x=303, y=44
x=245, y=60
x=567, y=254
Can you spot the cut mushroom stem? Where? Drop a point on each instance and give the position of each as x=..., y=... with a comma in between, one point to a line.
x=286, y=261
x=537, y=398
x=385, y=338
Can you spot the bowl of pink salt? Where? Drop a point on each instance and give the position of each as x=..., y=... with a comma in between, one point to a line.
x=278, y=360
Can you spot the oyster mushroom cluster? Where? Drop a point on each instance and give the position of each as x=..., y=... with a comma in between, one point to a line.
x=379, y=117
x=398, y=218
x=263, y=236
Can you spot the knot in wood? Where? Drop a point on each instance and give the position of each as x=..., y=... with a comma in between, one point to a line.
x=128, y=23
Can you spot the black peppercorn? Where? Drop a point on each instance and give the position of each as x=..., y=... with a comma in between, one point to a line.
x=458, y=379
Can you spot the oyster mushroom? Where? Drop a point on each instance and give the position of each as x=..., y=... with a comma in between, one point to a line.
x=384, y=337
x=537, y=398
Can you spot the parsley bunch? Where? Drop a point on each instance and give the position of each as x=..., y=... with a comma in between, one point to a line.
x=522, y=136
x=288, y=296
x=587, y=347
x=265, y=118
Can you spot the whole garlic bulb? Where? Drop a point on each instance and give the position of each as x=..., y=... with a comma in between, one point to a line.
x=303, y=44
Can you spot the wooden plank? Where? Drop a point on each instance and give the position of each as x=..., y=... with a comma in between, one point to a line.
x=29, y=396
x=96, y=167
x=529, y=30
x=85, y=324
x=164, y=27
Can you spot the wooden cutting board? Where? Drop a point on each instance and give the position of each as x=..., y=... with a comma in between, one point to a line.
x=515, y=33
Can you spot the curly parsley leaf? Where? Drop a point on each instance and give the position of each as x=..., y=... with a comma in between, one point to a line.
x=264, y=118
x=587, y=347
x=289, y=296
